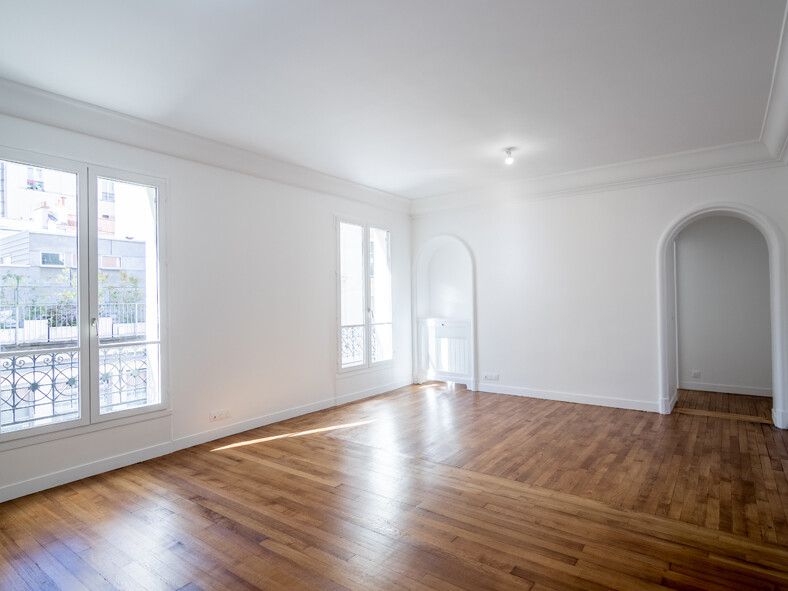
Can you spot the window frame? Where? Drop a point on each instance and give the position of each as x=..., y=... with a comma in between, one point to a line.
x=88, y=197
x=368, y=364
x=121, y=176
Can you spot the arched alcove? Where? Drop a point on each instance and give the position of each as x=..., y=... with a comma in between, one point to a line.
x=667, y=304
x=444, y=307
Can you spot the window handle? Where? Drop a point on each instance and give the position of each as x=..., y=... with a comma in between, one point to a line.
x=94, y=324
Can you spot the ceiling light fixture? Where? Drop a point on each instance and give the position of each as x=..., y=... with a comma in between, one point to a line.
x=509, y=158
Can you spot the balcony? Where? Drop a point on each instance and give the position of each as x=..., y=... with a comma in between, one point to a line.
x=40, y=369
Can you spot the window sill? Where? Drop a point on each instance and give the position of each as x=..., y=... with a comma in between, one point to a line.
x=65, y=432
x=355, y=371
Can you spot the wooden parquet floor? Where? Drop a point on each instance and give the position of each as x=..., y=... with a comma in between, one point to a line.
x=741, y=407
x=426, y=488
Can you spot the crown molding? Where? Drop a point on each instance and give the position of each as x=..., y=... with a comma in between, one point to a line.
x=685, y=165
x=774, y=133
x=42, y=107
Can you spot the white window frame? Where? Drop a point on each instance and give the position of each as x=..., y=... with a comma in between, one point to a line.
x=119, y=176
x=89, y=195
x=368, y=364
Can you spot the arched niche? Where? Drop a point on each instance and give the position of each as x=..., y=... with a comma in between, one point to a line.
x=444, y=312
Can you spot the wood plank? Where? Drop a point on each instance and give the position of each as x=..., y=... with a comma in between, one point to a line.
x=723, y=415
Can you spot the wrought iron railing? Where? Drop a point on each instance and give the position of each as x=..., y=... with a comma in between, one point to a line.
x=123, y=377
x=43, y=388
x=380, y=344
x=38, y=388
x=352, y=345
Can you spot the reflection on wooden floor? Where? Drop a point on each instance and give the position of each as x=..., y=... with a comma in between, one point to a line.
x=426, y=488
x=731, y=406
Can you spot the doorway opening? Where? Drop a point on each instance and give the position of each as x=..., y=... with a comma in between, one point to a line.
x=723, y=319
x=721, y=308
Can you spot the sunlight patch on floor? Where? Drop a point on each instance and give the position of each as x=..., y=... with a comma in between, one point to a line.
x=299, y=434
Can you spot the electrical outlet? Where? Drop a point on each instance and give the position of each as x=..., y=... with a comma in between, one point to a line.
x=219, y=415
x=491, y=377
x=695, y=373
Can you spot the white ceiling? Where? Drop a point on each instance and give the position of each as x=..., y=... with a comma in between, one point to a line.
x=415, y=97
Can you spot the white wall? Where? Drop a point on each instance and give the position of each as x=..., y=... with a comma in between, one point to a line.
x=257, y=259
x=722, y=295
x=567, y=287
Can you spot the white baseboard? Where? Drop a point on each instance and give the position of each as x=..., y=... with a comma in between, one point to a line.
x=666, y=405
x=39, y=483
x=26, y=487
x=780, y=419
x=625, y=403
x=726, y=389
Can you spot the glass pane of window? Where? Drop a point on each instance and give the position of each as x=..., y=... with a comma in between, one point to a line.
x=352, y=345
x=379, y=276
x=39, y=299
x=128, y=377
x=352, y=307
x=128, y=296
x=381, y=342
x=380, y=294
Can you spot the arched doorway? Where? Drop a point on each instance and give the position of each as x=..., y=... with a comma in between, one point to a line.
x=668, y=349
x=444, y=312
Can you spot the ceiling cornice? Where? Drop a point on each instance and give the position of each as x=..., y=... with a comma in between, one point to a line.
x=775, y=122
x=32, y=104
x=685, y=165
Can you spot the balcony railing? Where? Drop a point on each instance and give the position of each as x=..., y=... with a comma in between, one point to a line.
x=123, y=377
x=30, y=324
x=352, y=345
x=40, y=389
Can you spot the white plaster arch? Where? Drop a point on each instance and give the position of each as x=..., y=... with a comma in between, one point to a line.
x=420, y=262
x=666, y=303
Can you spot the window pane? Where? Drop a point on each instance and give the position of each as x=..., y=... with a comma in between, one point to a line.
x=39, y=300
x=352, y=345
x=380, y=294
x=128, y=278
x=38, y=389
x=380, y=276
x=351, y=295
x=351, y=261
x=381, y=342
x=128, y=377
x=128, y=296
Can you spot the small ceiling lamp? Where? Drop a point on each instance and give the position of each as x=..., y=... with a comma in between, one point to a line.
x=509, y=158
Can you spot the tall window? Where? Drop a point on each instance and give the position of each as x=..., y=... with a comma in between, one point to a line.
x=79, y=342
x=364, y=295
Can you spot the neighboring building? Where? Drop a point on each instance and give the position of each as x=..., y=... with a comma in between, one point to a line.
x=43, y=256
x=38, y=234
x=39, y=258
